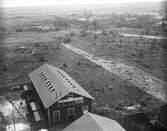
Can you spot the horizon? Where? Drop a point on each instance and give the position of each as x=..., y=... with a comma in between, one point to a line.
x=43, y=3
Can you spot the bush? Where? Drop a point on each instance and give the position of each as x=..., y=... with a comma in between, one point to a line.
x=42, y=59
x=66, y=39
x=65, y=65
x=60, y=22
x=58, y=48
x=104, y=33
x=83, y=33
x=19, y=30
x=79, y=63
x=4, y=68
x=95, y=36
x=72, y=33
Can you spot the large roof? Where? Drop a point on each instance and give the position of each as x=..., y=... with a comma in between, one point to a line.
x=52, y=84
x=93, y=122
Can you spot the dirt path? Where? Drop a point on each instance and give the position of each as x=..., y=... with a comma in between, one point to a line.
x=139, y=78
x=144, y=36
x=135, y=35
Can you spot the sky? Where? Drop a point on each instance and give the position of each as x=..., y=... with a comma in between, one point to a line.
x=16, y=3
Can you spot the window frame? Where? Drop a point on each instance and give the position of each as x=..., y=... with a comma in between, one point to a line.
x=54, y=115
x=70, y=109
x=87, y=107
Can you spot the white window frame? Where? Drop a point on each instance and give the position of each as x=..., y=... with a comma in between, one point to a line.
x=70, y=95
x=55, y=115
x=87, y=108
x=70, y=109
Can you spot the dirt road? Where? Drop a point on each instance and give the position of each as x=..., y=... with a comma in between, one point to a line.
x=144, y=36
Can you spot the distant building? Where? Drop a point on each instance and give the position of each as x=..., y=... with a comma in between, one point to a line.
x=60, y=98
x=43, y=28
x=93, y=122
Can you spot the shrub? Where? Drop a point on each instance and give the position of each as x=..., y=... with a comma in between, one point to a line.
x=95, y=36
x=66, y=39
x=104, y=33
x=42, y=59
x=83, y=33
x=65, y=65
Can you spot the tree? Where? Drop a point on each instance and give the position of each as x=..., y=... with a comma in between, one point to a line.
x=95, y=25
x=4, y=68
x=59, y=22
x=66, y=39
x=104, y=33
x=88, y=15
x=83, y=33
x=42, y=59
x=95, y=36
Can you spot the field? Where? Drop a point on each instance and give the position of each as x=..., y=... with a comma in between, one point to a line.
x=32, y=40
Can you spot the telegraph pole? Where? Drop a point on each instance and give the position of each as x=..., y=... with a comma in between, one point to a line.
x=14, y=120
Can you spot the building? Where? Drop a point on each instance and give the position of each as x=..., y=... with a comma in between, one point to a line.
x=93, y=122
x=60, y=98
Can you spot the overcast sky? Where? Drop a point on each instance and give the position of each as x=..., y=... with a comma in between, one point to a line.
x=15, y=3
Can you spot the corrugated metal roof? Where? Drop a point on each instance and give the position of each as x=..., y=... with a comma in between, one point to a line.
x=52, y=84
x=93, y=122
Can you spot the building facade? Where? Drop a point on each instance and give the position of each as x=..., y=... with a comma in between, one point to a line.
x=69, y=108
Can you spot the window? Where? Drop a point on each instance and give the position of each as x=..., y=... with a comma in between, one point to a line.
x=43, y=76
x=85, y=109
x=45, y=79
x=80, y=100
x=71, y=95
x=53, y=90
x=60, y=104
x=65, y=102
x=56, y=115
x=34, y=106
x=71, y=111
x=48, y=82
x=70, y=101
